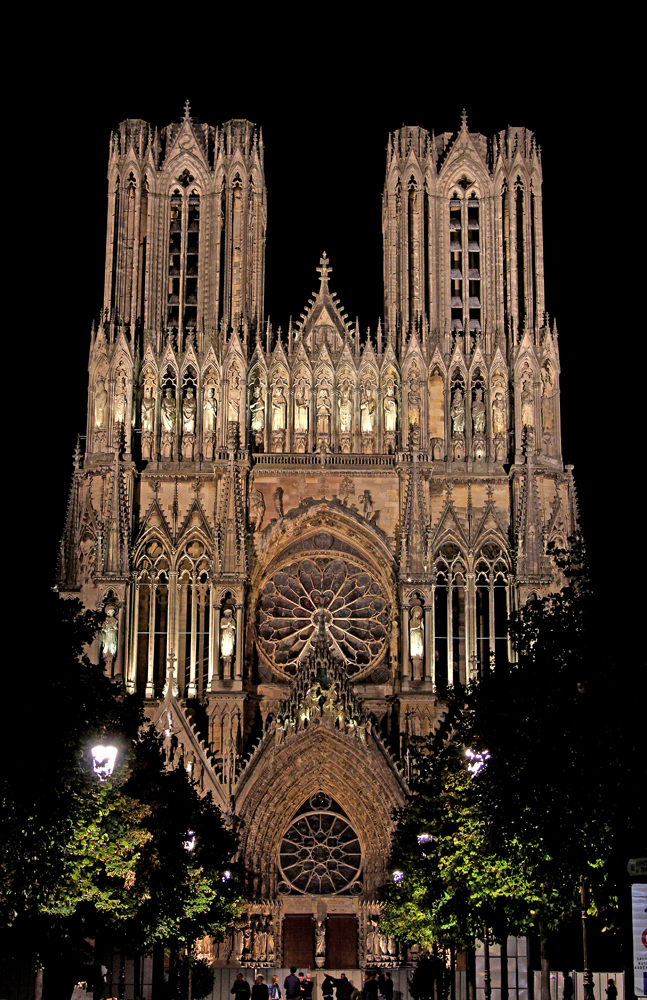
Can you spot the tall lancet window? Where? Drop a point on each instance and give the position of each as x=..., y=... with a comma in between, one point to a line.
x=474, y=263
x=491, y=608
x=414, y=253
x=456, y=262
x=183, y=257
x=193, y=633
x=521, y=273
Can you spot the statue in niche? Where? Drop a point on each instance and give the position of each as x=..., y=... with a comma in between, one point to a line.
x=478, y=413
x=323, y=412
x=368, y=505
x=301, y=408
x=390, y=410
x=498, y=414
x=370, y=939
x=188, y=412
x=547, y=393
x=367, y=408
x=278, y=501
x=169, y=412
x=414, y=405
x=279, y=409
x=121, y=401
x=227, y=635
x=233, y=397
x=148, y=410
x=345, y=409
x=457, y=412
x=270, y=939
x=109, y=631
x=257, y=509
x=527, y=404
x=417, y=634
x=320, y=943
x=210, y=411
x=257, y=408
x=100, y=403
x=394, y=643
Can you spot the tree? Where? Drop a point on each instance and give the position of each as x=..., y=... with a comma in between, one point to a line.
x=140, y=857
x=545, y=799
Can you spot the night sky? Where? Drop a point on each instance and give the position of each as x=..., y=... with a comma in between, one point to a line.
x=324, y=161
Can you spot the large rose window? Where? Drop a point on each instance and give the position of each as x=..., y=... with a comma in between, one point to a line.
x=353, y=604
x=320, y=852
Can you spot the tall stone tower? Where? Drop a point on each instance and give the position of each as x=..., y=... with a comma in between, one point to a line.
x=301, y=539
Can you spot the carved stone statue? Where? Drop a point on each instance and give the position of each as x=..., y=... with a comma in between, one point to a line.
x=417, y=634
x=109, y=631
x=394, y=643
x=100, y=403
x=390, y=410
x=148, y=411
x=547, y=393
x=527, y=405
x=233, y=397
x=169, y=411
x=345, y=409
x=368, y=505
x=257, y=408
x=257, y=509
x=498, y=414
x=320, y=943
x=227, y=635
x=323, y=412
x=270, y=940
x=278, y=500
x=301, y=408
x=188, y=412
x=367, y=408
x=210, y=411
x=414, y=404
x=458, y=412
x=121, y=401
x=279, y=409
x=478, y=413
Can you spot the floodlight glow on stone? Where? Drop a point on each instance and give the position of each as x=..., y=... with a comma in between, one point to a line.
x=103, y=760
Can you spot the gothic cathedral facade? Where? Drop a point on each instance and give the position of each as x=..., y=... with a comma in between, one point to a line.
x=301, y=538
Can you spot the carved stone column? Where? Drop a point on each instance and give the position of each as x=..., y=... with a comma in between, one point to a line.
x=214, y=650
x=404, y=627
x=150, y=689
x=240, y=643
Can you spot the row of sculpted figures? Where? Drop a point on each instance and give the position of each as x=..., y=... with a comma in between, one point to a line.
x=188, y=414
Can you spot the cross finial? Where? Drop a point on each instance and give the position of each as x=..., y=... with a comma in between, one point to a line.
x=324, y=270
x=464, y=118
x=187, y=111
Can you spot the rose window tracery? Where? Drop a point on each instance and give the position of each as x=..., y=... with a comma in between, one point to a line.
x=354, y=606
x=320, y=852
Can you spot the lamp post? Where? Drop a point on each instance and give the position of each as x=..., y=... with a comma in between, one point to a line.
x=588, y=975
x=103, y=764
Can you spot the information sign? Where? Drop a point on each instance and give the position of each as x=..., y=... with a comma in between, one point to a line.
x=639, y=913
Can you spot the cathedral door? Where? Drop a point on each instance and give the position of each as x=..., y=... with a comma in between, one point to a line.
x=298, y=941
x=341, y=942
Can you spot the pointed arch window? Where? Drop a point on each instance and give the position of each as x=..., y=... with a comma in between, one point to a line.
x=183, y=257
x=492, y=608
x=194, y=603
x=152, y=592
x=449, y=616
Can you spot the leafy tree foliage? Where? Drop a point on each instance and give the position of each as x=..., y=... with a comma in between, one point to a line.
x=526, y=788
x=81, y=856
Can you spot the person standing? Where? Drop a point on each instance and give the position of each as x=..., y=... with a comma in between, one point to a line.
x=292, y=986
x=327, y=987
x=307, y=988
x=344, y=987
x=259, y=990
x=386, y=986
x=241, y=989
x=275, y=989
x=371, y=988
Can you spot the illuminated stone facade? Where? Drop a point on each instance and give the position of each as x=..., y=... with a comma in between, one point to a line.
x=301, y=537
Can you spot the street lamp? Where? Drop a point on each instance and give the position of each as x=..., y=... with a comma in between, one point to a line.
x=103, y=760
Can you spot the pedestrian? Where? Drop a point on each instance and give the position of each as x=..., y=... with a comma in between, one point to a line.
x=611, y=990
x=301, y=982
x=344, y=987
x=241, y=989
x=259, y=990
x=327, y=987
x=275, y=989
x=291, y=985
x=307, y=987
x=371, y=988
x=386, y=986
